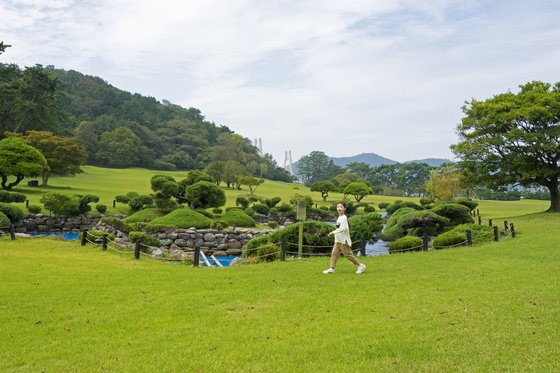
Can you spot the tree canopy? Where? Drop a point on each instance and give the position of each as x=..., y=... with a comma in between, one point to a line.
x=324, y=186
x=513, y=139
x=19, y=160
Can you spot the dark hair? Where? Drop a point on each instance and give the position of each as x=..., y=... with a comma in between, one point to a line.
x=342, y=203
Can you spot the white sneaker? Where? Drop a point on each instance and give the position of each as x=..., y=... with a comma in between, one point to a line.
x=327, y=271
x=361, y=268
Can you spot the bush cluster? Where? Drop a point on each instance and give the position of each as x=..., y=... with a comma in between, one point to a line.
x=9, y=197
x=143, y=238
x=13, y=213
x=181, y=218
x=4, y=220
x=405, y=243
x=116, y=223
x=219, y=224
x=34, y=209
x=101, y=208
x=238, y=218
x=447, y=239
x=144, y=215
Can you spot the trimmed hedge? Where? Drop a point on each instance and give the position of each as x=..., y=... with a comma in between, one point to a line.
x=272, y=224
x=101, y=208
x=466, y=202
x=138, y=226
x=400, y=204
x=144, y=239
x=4, y=220
x=447, y=239
x=405, y=243
x=456, y=213
x=383, y=205
x=261, y=208
x=8, y=197
x=238, y=218
x=145, y=215
x=204, y=212
x=34, y=209
x=92, y=235
x=219, y=224
x=366, y=226
x=480, y=233
x=393, y=229
x=117, y=224
x=181, y=218
x=13, y=213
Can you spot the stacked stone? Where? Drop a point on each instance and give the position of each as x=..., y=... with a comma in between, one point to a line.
x=47, y=223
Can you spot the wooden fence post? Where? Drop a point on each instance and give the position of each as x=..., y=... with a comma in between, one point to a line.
x=506, y=225
x=363, y=247
x=114, y=203
x=469, y=237
x=12, y=232
x=479, y=220
x=477, y=212
x=490, y=222
x=137, y=250
x=26, y=203
x=196, y=259
x=496, y=233
x=425, y=241
x=105, y=241
x=84, y=236
x=283, y=249
x=512, y=228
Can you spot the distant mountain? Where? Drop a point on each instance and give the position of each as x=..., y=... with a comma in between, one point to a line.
x=434, y=162
x=375, y=160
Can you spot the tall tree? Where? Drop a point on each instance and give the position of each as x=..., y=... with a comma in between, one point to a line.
x=324, y=187
x=514, y=138
x=19, y=160
x=63, y=154
x=120, y=147
x=444, y=183
x=317, y=166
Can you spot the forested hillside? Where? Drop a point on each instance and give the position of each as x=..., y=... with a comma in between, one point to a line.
x=121, y=129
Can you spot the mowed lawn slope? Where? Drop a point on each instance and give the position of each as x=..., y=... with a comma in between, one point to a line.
x=487, y=308
x=106, y=183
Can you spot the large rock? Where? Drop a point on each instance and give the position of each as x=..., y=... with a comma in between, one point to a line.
x=166, y=242
x=220, y=253
x=234, y=244
x=209, y=237
x=181, y=242
x=233, y=252
x=157, y=253
x=183, y=236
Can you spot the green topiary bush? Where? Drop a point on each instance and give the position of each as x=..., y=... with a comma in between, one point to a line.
x=238, y=218
x=383, y=205
x=393, y=229
x=251, y=248
x=9, y=197
x=144, y=215
x=249, y=211
x=426, y=201
x=400, y=204
x=13, y=213
x=138, y=226
x=369, y=208
x=95, y=234
x=466, y=202
x=116, y=223
x=448, y=239
x=261, y=208
x=424, y=222
x=273, y=211
x=406, y=243
x=204, y=212
x=219, y=225
x=272, y=202
x=457, y=214
x=4, y=220
x=34, y=209
x=182, y=218
x=144, y=239
x=101, y=208
x=480, y=233
x=285, y=208
x=122, y=199
x=366, y=226
x=268, y=252
x=272, y=224
x=217, y=210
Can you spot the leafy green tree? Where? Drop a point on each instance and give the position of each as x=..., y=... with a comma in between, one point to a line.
x=232, y=171
x=324, y=186
x=63, y=154
x=251, y=182
x=205, y=194
x=120, y=148
x=19, y=160
x=444, y=183
x=216, y=170
x=316, y=166
x=514, y=138
x=358, y=168
x=342, y=180
x=358, y=189
x=87, y=137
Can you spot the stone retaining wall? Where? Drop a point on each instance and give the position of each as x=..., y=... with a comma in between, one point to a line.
x=47, y=223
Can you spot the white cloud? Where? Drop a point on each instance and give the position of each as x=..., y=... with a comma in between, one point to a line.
x=343, y=77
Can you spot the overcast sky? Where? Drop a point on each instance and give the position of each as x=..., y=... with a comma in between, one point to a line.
x=344, y=77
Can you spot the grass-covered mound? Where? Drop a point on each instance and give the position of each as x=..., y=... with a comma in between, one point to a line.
x=238, y=217
x=4, y=221
x=145, y=215
x=179, y=218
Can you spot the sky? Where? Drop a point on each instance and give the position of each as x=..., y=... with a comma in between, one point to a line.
x=343, y=77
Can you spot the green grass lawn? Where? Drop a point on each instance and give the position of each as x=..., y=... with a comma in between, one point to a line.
x=494, y=307
x=108, y=182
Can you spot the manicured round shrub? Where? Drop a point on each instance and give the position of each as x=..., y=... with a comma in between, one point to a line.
x=383, y=205
x=457, y=214
x=393, y=228
x=466, y=202
x=143, y=238
x=182, y=218
x=138, y=226
x=400, y=204
x=406, y=243
x=122, y=199
x=204, y=212
x=251, y=248
x=217, y=210
x=272, y=224
x=268, y=252
x=4, y=221
x=205, y=194
x=249, y=211
x=315, y=233
x=34, y=209
x=140, y=202
x=424, y=222
x=219, y=224
x=369, y=208
x=261, y=208
x=144, y=215
x=132, y=195
x=156, y=228
x=448, y=239
x=426, y=201
x=273, y=211
x=116, y=223
x=13, y=213
x=480, y=233
x=365, y=227
x=238, y=218
x=101, y=208
x=9, y=197
x=272, y=202
x=285, y=207
x=324, y=208
x=164, y=204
